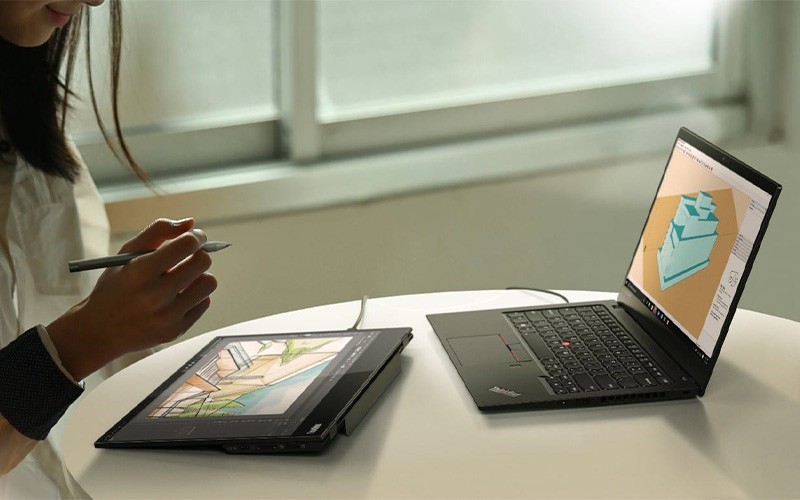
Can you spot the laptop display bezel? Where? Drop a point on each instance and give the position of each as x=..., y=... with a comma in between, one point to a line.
x=680, y=347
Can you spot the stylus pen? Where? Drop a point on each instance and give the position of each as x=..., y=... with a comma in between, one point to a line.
x=123, y=258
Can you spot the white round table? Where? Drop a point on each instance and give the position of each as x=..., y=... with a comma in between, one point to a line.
x=425, y=438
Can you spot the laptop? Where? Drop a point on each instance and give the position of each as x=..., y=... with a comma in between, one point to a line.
x=662, y=336
x=266, y=393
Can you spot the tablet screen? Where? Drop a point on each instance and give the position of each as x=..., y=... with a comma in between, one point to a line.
x=259, y=386
x=262, y=376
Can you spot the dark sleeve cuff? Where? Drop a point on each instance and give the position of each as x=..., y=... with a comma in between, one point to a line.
x=34, y=392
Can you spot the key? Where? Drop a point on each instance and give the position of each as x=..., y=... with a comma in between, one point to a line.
x=627, y=382
x=586, y=382
x=534, y=316
x=645, y=379
x=606, y=382
x=538, y=347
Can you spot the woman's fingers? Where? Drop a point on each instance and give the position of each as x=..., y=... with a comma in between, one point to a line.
x=154, y=235
x=153, y=299
x=194, y=314
x=188, y=270
x=171, y=253
x=194, y=294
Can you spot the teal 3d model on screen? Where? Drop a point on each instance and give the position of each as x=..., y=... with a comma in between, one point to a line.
x=689, y=240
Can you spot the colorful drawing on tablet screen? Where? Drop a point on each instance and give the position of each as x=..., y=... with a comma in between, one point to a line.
x=251, y=378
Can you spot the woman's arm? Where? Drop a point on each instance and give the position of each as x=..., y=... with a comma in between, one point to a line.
x=149, y=301
x=34, y=394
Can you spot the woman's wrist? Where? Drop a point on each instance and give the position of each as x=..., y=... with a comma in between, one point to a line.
x=44, y=336
x=81, y=349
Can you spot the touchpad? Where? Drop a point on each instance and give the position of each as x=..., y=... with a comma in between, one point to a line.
x=481, y=350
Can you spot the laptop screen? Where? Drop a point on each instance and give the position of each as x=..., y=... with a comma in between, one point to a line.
x=695, y=245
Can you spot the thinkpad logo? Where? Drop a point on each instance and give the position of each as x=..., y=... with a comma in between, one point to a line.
x=314, y=428
x=505, y=392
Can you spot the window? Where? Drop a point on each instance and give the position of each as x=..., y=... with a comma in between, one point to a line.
x=452, y=68
x=197, y=90
x=425, y=55
x=297, y=84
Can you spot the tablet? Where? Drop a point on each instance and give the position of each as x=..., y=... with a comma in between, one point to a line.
x=266, y=393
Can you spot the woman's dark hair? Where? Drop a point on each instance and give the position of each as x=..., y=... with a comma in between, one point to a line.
x=34, y=96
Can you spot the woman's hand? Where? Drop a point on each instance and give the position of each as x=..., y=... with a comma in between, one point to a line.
x=151, y=300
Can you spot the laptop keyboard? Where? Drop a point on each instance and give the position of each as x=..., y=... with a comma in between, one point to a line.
x=585, y=349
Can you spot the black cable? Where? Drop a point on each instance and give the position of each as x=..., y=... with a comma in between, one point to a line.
x=566, y=300
x=360, y=313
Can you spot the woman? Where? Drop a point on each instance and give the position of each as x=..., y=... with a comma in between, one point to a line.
x=56, y=329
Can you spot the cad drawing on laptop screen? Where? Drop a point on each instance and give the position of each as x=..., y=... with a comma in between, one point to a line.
x=696, y=244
